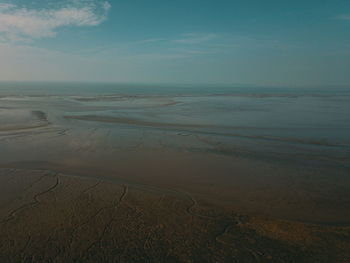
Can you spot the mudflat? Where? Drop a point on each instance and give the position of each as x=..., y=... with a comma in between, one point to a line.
x=165, y=178
x=53, y=217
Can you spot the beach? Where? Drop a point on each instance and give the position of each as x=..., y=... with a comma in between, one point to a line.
x=180, y=176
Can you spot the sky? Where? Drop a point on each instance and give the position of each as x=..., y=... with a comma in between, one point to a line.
x=250, y=42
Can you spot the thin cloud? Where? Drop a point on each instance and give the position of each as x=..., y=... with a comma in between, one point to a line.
x=344, y=17
x=196, y=38
x=152, y=40
x=202, y=52
x=18, y=23
x=6, y=6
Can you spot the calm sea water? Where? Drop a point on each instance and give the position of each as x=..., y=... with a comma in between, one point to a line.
x=278, y=151
x=311, y=119
x=49, y=88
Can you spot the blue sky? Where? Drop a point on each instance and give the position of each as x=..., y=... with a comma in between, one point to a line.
x=289, y=43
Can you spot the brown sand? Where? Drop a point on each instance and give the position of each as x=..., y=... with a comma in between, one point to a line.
x=50, y=217
x=136, y=187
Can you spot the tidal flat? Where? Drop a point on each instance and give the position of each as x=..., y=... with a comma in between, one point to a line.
x=224, y=176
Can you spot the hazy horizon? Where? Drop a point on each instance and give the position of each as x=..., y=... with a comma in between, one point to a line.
x=170, y=84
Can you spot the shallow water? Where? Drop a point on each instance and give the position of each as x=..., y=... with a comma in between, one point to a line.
x=280, y=152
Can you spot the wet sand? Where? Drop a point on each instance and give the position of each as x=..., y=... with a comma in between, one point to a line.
x=53, y=217
x=104, y=179
x=13, y=119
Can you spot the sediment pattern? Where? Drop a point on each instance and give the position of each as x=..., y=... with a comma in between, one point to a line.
x=165, y=178
x=59, y=218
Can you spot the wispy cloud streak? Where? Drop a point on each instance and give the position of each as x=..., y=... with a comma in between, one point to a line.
x=195, y=38
x=152, y=40
x=344, y=17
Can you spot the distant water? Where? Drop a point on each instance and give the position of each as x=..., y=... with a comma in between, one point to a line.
x=277, y=151
x=316, y=119
x=49, y=88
